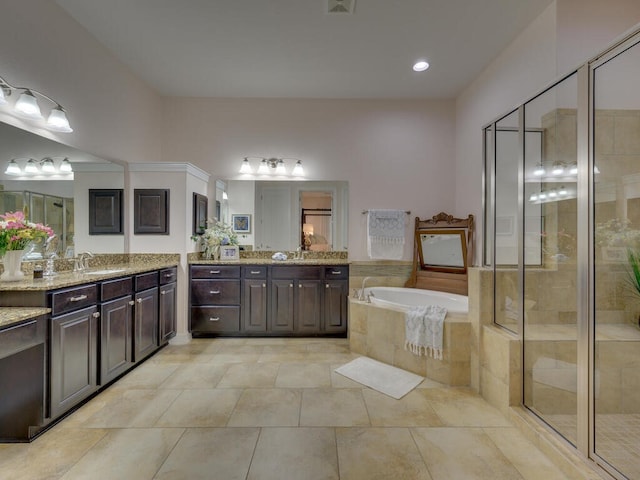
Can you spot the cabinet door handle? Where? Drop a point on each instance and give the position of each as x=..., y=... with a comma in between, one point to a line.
x=139, y=300
x=214, y=319
x=336, y=272
x=96, y=314
x=215, y=272
x=291, y=285
x=132, y=303
x=264, y=285
x=253, y=272
x=78, y=298
x=215, y=292
x=326, y=286
x=163, y=292
x=299, y=285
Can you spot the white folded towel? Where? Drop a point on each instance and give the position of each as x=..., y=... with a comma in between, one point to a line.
x=385, y=234
x=423, y=330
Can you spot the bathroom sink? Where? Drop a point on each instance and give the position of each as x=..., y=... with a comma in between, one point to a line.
x=106, y=271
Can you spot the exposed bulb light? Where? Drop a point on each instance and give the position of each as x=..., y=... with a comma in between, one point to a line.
x=31, y=166
x=573, y=170
x=298, y=171
x=420, y=66
x=225, y=196
x=542, y=195
x=246, y=166
x=280, y=169
x=48, y=166
x=553, y=194
x=596, y=170
x=563, y=191
x=539, y=171
x=65, y=166
x=533, y=197
x=12, y=168
x=28, y=106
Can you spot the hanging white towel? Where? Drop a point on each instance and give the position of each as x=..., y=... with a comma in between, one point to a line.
x=385, y=234
x=423, y=330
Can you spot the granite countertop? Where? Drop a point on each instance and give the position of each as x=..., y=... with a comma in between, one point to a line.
x=96, y=272
x=12, y=315
x=269, y=261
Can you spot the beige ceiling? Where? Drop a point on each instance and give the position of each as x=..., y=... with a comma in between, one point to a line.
x=292, y=48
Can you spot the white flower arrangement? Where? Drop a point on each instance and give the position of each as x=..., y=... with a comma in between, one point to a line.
x=215, y=235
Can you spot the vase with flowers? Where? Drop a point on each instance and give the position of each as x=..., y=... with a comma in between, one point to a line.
x=633, y=258
x=215, y=235
x=16, y=232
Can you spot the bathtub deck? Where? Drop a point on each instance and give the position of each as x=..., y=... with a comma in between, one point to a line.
x=379, y=333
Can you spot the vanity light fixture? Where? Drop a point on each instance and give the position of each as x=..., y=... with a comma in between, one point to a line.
x=557, y=168
x=539, y=171
x=272, y=166
x=46, y=166
x=27, y=106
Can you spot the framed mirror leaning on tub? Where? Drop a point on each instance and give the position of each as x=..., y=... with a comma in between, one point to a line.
x=443, y=250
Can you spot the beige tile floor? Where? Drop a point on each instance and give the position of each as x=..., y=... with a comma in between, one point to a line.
x=273, y=409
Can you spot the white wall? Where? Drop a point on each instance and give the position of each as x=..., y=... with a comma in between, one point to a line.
x=394, y=154
x=114, y=114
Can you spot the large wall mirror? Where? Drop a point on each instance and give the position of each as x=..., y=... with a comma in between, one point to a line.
x=58, y=199
x=285, y=215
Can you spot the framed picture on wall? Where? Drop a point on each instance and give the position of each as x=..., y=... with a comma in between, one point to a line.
x=241, y=223
x=199, y=213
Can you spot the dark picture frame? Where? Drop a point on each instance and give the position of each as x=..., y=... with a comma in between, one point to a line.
x=105, y=211
x=241, y=223
x=151, y=211
x=200, y=211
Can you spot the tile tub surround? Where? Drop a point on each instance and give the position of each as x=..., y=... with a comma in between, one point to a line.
x=286, y=416
x=379, y=333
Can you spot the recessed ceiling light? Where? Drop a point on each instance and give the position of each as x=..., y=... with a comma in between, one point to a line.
x=420, y=66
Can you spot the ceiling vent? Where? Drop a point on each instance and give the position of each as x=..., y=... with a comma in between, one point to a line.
x=340, y=6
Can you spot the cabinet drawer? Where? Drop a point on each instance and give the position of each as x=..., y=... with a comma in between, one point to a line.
x=116, y=288
x=297, y=272
x=254, y=271
x=215, y=319
x=22, y=336
x=168, y=275
x=215, y=271
x=74, y=298
x=215, y=292
x=146, y=280
x=336, y=272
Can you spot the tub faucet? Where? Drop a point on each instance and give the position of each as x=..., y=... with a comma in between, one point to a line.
x=364, y=283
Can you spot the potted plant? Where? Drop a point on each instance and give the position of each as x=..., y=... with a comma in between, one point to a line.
x=633, y=257
x=215, y=235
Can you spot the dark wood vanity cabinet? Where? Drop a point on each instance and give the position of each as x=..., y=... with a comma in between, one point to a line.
x=116, y=328
x=22, y=379
x=145, y=330
x=167, y=306
x=73, y=347
x=276, y=300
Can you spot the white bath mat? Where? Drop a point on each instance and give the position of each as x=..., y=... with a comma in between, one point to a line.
x=384, y=378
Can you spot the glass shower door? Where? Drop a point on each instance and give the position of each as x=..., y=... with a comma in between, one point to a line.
x=616, y=217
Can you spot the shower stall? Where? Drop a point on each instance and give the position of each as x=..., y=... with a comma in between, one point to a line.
x=562, y=225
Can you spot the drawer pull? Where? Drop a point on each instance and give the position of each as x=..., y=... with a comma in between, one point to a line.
x=214, y=319
x=215, y=292
x=215, y=272
x=336, y=272
x=79, y=298
x=254, y=272
x=96, y=314
x=169, y=275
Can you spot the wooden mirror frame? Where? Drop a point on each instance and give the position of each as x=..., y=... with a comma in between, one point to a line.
x=444, y=279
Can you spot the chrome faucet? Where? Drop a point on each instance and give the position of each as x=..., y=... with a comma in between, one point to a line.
x=81, y=262
x=361, y=296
